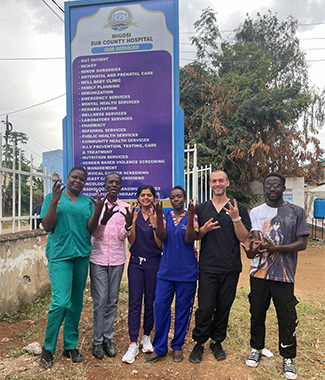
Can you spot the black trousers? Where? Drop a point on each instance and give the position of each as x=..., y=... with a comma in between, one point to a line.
x=282, y=294
x=216, y=295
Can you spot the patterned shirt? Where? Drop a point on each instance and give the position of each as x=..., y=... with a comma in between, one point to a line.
x=282, y=225
x=176, y=222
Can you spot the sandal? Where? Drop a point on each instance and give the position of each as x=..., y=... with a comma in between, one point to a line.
x=152, y=357
x=178, y=355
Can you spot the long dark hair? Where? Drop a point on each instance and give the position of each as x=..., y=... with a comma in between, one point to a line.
x=144, y=187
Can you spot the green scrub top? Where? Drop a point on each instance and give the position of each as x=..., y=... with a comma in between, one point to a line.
x=70, y=237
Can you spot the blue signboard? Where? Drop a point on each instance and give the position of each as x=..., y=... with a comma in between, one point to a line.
x=123, y=93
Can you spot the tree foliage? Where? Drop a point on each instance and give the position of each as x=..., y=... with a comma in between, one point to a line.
x=248, y=104
x=11, y=150
x=15, y=139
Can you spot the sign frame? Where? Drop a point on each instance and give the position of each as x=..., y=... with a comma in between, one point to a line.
x=177, y=114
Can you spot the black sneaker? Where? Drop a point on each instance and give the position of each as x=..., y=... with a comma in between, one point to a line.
x=46, y=361
x=289, y=370
x=218, y=351
x=254, y=358
x=196, y=354
x=74, y=355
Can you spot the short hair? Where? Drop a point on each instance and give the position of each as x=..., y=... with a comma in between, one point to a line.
x=276, y=174
x=217, y=171
x=276, y=219
x=144, y=187
x=81, y=168
x=113, y=173
x=177, y=187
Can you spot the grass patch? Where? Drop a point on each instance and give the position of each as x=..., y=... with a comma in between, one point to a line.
x=315, y=243
x=310, y=361
x=124, y=293
x=15, y=352
x=87, y=289
x=32, y=334
x=124, y=288
x=27, y=377
x=72, y=373
x=63, y=374
x=35, y=311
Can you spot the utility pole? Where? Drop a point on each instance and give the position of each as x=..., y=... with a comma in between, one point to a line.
x=7, y=133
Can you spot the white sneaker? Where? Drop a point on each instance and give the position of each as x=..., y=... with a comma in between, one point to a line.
x=289, y=370
x=146, y=344
x=131, y=353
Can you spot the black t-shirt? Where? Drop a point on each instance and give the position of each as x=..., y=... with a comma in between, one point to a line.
x=220, y=248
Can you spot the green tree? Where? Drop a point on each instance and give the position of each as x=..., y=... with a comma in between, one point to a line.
x=243, y=101
x=15, y=139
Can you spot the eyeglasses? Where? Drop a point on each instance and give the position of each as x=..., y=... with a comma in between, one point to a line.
x=274, y=185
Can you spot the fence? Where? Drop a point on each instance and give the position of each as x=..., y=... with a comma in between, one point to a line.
x=15, y=174
x=196, y=179
x=196, y=185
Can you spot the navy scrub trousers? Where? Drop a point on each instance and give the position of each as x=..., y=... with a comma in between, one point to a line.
x=165, y=290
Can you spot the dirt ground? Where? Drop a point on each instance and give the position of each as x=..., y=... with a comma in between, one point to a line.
x=310, y=281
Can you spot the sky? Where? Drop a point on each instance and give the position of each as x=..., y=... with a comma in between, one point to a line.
x=32, y=65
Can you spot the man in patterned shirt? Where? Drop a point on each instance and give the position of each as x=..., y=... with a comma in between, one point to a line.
x=279, y=231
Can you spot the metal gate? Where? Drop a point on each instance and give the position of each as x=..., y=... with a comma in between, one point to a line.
x=14, y=175
x=196, y=179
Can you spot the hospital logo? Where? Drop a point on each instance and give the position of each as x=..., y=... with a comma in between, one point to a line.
x=120, y=19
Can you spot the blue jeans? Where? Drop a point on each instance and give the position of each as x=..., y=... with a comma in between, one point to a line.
x=105, y=286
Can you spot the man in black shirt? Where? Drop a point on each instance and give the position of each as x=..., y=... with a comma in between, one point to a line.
x=219, y=265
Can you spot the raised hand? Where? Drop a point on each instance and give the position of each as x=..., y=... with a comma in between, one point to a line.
x=191, y=209
x=98, y=202
x=57, y=189
x=233, y=210
x=108, y=213
x=210, y=225
x=153, y=218
x=129, y=215
x=268, y=245
x=157, y=221
x=158, y=207
x=253, y=249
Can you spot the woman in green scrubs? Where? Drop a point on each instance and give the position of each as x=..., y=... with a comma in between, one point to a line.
x=70, y=217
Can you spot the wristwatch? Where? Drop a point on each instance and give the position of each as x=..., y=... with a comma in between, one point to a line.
x=236, y=220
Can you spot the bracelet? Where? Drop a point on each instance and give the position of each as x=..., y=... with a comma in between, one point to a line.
x=154, y=228
x=236, y=220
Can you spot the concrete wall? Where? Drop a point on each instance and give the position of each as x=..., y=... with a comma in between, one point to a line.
x=23, y=269
x=294, y=192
